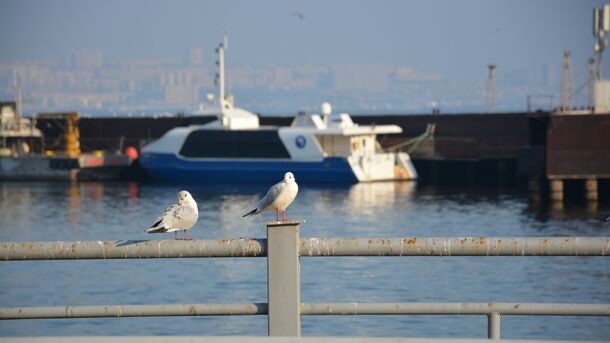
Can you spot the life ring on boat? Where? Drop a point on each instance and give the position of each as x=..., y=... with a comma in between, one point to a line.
x=300, y=141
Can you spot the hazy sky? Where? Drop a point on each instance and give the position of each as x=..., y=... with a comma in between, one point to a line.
x=455, y=38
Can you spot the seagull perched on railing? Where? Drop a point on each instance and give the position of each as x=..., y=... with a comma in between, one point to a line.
x=180, y=216
x=278, y=198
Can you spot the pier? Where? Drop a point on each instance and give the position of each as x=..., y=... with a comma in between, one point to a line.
x=283, y=247
x=550, y=153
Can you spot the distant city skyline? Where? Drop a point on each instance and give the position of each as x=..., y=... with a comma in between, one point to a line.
x=362, y=56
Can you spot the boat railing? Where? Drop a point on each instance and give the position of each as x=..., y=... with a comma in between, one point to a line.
x=283, y=248
x=17, y=126
x=414, y=142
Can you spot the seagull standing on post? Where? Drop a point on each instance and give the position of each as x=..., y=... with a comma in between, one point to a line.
x=278, y=198
x=180, y=216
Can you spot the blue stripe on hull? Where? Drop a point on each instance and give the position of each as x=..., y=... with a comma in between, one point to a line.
x=168, y=167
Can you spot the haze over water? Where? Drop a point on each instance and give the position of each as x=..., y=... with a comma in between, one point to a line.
x=154, y=56
x=121, y=211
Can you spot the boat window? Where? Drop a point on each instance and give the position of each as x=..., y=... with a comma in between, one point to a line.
x=234, y=144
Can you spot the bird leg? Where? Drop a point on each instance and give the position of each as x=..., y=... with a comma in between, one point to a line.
x=277, y=214
x=186, y=236
x=176, y=235
x=283, y=215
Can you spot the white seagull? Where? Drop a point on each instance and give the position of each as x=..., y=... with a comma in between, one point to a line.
x=278, y=198
x=180, y=216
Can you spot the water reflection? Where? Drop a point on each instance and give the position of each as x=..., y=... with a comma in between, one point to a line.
x=544, y=211
x=231, y=209
x=74, y=209
x=127, y=208
x=371, y=196
x=320, y=205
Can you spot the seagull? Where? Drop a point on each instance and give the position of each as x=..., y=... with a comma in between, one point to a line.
x=180, y=216
x=298, y=15
x=279, y=197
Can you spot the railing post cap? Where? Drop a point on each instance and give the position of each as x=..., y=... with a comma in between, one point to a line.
x=272, y=223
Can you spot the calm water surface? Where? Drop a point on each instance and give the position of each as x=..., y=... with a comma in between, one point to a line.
x=121, y=211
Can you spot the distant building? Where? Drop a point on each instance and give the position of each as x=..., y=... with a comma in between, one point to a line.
x=85, y=59
x=182, y=96
x=368, y=78
x=195, y=57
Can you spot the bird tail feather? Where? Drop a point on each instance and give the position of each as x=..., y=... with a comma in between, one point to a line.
x=156, y=229
x=253, y=212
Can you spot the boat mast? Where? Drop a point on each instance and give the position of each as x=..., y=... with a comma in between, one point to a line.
x=18, y=99
x=221, y=69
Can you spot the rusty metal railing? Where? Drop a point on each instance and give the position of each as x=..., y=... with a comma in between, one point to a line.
x=283, y=249
x=254, y=339
x=311, y=309
x=310, y=247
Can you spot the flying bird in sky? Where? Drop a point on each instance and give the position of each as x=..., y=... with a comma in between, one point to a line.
x=298, y=15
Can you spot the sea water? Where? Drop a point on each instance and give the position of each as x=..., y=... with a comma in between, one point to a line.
x=43, y=211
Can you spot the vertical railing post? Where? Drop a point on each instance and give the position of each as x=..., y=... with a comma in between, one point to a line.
x=283, y=278
x=493, y=325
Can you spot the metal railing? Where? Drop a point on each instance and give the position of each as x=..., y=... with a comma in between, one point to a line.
x=283, y=248
x=250, y=339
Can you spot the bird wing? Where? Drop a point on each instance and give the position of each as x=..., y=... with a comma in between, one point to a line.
x=169, y=217
x=272, y=194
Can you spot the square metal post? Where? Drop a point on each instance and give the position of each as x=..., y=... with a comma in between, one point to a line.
x=283, y=278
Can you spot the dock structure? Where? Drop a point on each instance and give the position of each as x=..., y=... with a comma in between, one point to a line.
x=283, y=249
x=544, y=149
x=578, y=148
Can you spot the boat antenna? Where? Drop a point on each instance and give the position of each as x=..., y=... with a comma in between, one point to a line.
x=326, y=110
x=220, y=77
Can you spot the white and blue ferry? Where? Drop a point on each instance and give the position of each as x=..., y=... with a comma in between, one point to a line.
x=234, y=147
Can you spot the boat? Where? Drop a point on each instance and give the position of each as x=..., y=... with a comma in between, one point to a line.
x=23, y=157
x=225, y=143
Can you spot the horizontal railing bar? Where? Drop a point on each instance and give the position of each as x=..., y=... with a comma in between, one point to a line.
x=260, y=339
x=457, y=246
x=238, y=247
x=539, y=309
x=49, y=312
x=249, y=247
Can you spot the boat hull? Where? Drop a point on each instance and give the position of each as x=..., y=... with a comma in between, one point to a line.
x=169, y=167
